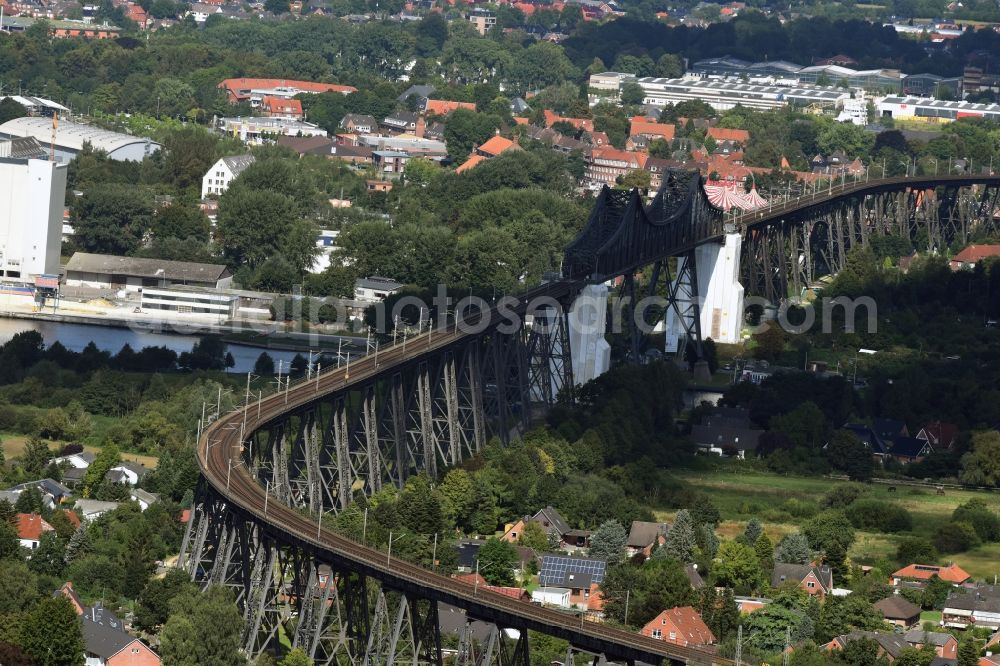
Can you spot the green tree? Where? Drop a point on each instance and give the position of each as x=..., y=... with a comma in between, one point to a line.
x=457, y=496
x=10, y=544
x=977, y=513
x=764, y=549
x=632, y=94
x=11, y=109
x=18, y=587
x=704, y=512
x=608, y=542
x=848, y=454
x=737, y=567
x=805, y=425
x=708, y=541
x=184, y=639
x=829, y=527
x=112, y=219
x=753, y=530
x=981, y=465
x=680, y=541
x=296, y=657
x=51, y=634
x=465, y=129
x=35, y=457
x=913, y=550
x=47, y=559
x=955, y=538
x=264, y=365
x=842, y=615
x=106, y=458
x=533, y=536
x=793, y=549
x=497, y=562
x=968, y=652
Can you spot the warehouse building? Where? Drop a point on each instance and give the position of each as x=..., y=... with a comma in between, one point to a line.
x=723, y=95
x=70, y=138
x=32, y=192
x=935, y=110
x=105, y=271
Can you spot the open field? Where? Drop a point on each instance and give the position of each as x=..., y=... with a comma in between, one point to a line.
x=741, y=493
x=13, y=445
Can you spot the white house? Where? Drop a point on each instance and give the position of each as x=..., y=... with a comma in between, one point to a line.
x=552, y=596
x=374, y=289
x=81, y=460
x=91, y=509
x=126, y=472
x=223, y=172
x=143, y=498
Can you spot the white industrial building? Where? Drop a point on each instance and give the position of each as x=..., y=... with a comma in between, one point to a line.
x=70, y=138
x=723, y=95
x=32, y=193
x=223, y=172
x=374, y=289
x=110, y=272
x=261, y=130
x=935, y=110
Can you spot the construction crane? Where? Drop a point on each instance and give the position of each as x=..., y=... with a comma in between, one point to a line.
x=52, y=141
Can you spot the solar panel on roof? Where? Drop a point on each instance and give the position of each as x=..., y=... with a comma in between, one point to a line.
x=555, y=568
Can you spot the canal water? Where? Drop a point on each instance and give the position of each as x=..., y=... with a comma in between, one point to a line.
x=77, y=336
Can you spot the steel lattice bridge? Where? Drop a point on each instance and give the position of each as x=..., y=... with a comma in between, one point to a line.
x=272, y=468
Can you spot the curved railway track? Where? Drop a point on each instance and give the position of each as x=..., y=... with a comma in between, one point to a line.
x=220, y=449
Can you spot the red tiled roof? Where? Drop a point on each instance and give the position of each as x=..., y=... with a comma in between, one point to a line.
x=722, y=134
x=30, y=526
x=639, y=126
x=512, y=592
x=273, y=104
x=496, y=145
x=551, y=118
x=595, y=602
x=72, y=517
x=940, y=434
x=691, y=628
x=635, y=159
x=976, y=253
x=234, y=86
x=472, y=162
x=471, y=579
x=951, y=573
x=442, y=107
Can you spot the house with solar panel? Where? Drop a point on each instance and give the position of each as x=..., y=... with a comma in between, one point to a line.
x=579, y=576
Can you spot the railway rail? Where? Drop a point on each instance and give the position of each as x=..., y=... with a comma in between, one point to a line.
x=220, y=455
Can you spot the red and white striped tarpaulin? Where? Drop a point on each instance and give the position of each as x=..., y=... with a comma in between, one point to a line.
x=754, y=199
x=726, y=197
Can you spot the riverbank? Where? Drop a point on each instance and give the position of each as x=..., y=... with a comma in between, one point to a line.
x=265, y=335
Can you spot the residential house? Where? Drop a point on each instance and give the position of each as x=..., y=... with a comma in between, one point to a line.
x=606, y=165
x=658, y=168
x=30, y=527
x=580, y=124
x=279, y=107
x=945, y=645
x=106, y=643
x=890, y=646
x=979, y=606
x=143, y=498
x=941, y=436
x=643, y=128
x=909, y=449
x=53, y=492
x=91, y=509
x=468, y=554
x=726, y=431
x=443, y=107
x=222, y=173
x=307, y=145
x=378, y=185
x=358, y=123
x=127, y=472
x=399, y=122
x=483, y=20
x=555, y=140
x=491, y=148
x=921, y=573
x=419, y=91
x=644, y=537
x=580, y=575
x=816, y=580
x=972, y=255
x=899, y=611
x=747, y=605
x=551, y=596
x=682, y=625
x=81, y=460
x=374, y=289
x=390, y=163
x=720, y=134
x=867, y=437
